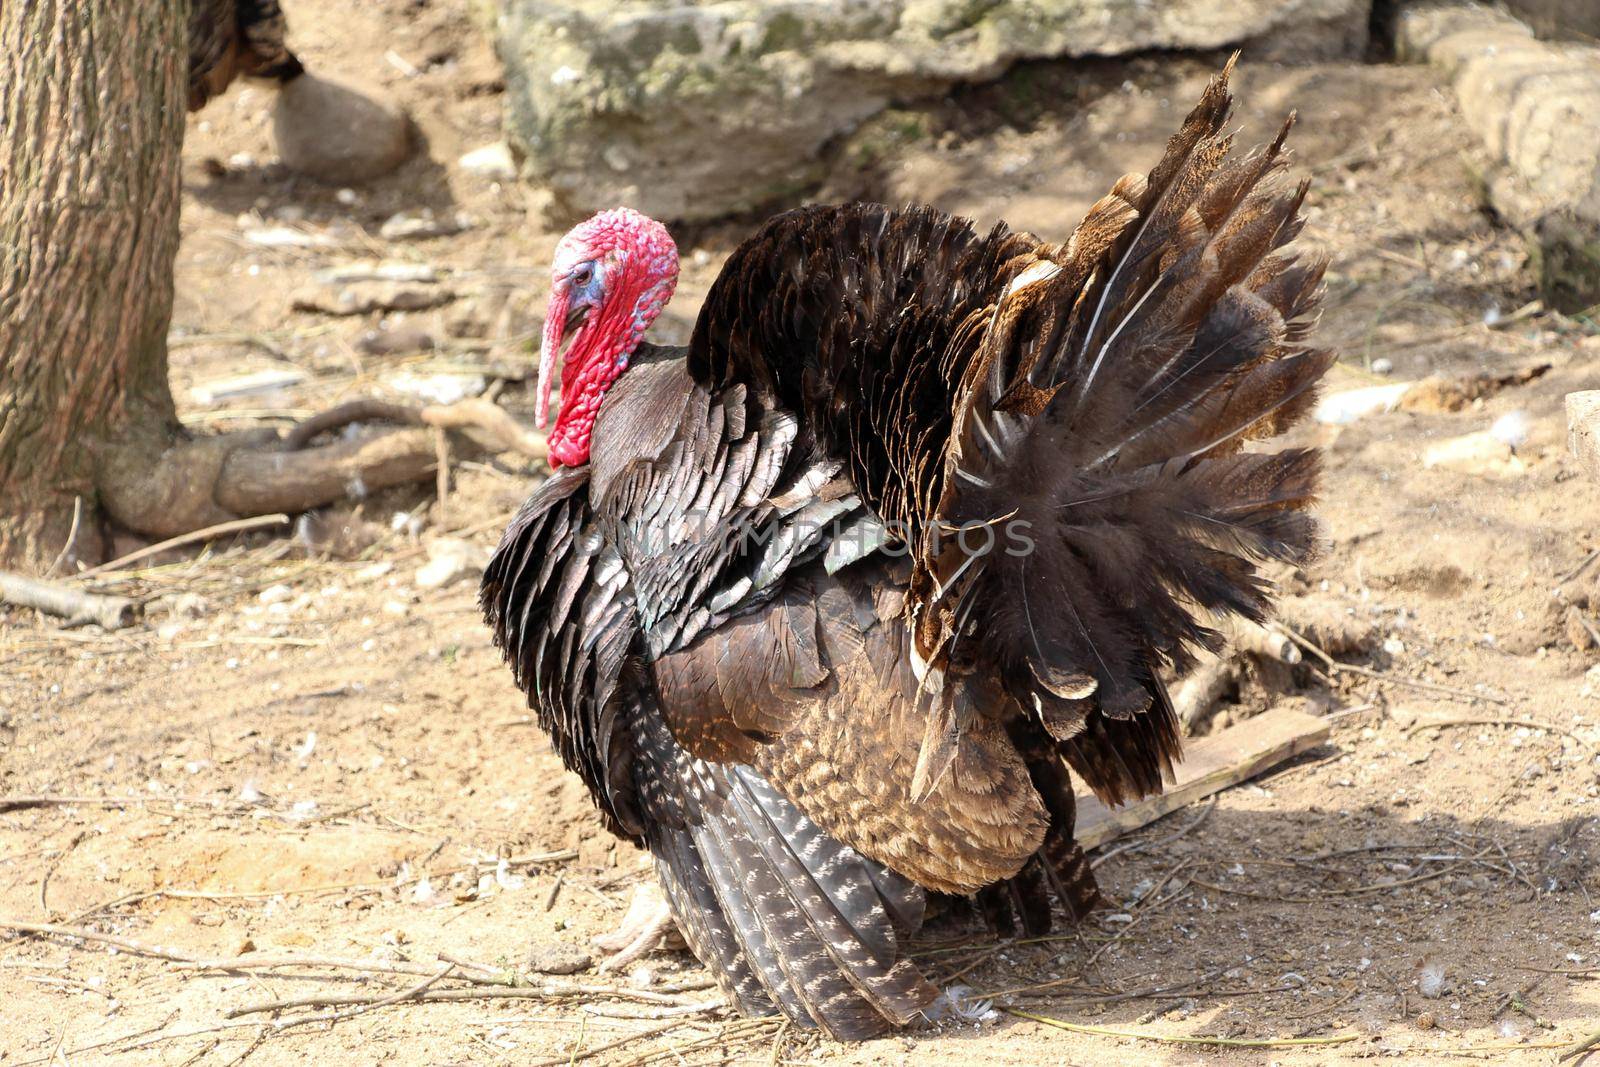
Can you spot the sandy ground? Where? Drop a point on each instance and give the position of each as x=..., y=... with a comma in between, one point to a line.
x=327, y=761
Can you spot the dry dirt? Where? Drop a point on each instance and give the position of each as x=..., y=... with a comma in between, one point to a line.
x=297, y=767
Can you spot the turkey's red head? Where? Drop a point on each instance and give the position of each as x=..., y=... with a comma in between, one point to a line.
x=612, y=276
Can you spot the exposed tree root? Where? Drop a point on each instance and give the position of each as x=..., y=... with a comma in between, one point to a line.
x=165, y=488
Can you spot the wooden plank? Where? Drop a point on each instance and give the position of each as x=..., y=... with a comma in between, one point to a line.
x=1210, y=765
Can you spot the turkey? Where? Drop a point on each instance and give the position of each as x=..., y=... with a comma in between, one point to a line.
x=233, y=38
x=823, y=606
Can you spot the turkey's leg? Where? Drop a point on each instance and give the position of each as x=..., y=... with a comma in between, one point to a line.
x=646, y=925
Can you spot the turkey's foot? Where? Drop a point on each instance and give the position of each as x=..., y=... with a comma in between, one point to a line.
x=645, y=927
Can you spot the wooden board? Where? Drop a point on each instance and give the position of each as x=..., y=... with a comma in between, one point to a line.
x=1210, y=765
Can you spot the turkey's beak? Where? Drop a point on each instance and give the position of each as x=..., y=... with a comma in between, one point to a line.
x=563, y=316
x=575, y=316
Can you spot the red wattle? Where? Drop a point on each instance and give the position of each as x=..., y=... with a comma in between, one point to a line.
x=594, y=362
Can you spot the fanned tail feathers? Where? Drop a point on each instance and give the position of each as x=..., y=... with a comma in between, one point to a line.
x=1120, y=379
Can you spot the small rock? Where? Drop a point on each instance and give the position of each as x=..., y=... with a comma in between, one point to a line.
x=1591, y=682
x=493, y=161
x=286, y=237
x=395, y=341
x=1425, y=1020
x=276, y=594
x=364, y=298
x=397, y=608
x=337, y=133
x=1474, y=453
x=408, y=227
x=1383, y=365
x=374, y=571
x=1583, y=430
x=448, y=559
x=1339, y=409
x=556, y=957
x=190, y=605
x=377, y=271
x=437, y=388
x=1577, y=632
x=243, y=946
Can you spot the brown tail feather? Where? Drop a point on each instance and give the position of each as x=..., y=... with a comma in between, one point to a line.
x=1120, y=382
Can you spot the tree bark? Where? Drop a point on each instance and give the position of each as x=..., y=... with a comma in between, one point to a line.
x=92, y=111
x=92, y=107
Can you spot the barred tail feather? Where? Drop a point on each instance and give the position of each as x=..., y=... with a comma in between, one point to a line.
x=784, y=915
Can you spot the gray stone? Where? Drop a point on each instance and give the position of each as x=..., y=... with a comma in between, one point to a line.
x=1536, y=105
x=556, y=957
x=1583, y=430
x=1559, y=16
x=337, y=133
x=694, y=110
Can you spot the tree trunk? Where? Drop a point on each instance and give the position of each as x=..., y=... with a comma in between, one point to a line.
x=92, y=97
x=92, y=110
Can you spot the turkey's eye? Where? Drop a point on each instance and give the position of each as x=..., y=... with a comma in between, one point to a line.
x=583, y=275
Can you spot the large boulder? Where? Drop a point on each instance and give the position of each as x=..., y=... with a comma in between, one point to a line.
x=694, y=110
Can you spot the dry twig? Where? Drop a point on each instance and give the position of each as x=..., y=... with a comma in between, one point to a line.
x=1530, y=724
x=220, y=529
x=74, y=605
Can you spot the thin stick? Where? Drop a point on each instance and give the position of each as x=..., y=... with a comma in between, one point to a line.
x=587, y=1053
x=154, y=1039
x=1220, y=1042
x=441, y=450
x=1562, y=579
x=415, y=992
x=72, y=536
x=1375, y=887
x=477, y=992
x=1579, y=972
x=1578, y=1048
x=1140, y=846
x=1531, y=724
x=136, y=947
x=1393, y=679
x=1100, y=998
x=234, y=526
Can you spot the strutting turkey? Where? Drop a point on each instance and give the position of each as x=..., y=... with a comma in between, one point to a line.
x=234, y=38
x=822, y=607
